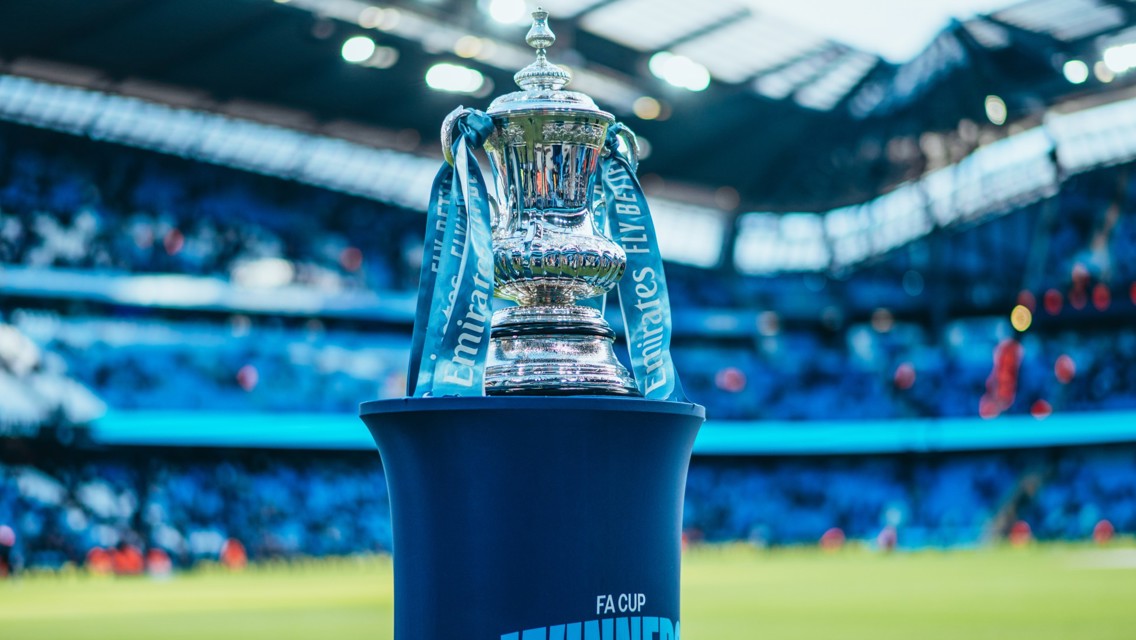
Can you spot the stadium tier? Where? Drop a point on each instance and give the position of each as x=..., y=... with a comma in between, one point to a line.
x=859, y=373
x=189, y=502
x=883, y=342
x=75, y=204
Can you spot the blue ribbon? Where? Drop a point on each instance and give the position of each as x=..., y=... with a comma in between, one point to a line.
x=643, y=289
x=450, y=343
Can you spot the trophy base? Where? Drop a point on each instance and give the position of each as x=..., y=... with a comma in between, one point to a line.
x=513, y=514
x=554, y=350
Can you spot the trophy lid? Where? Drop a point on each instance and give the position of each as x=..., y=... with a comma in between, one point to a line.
x=542, y=83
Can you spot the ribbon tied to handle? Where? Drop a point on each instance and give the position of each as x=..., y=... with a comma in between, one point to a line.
x=450, y=343
x=642, y=291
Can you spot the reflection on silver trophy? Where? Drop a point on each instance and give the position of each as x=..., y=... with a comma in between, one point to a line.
x=549, y=252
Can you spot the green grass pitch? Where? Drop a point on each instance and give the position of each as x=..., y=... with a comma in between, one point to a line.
x=1037, y=593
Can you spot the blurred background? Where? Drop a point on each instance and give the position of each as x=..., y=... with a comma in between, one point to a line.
x=900, y=240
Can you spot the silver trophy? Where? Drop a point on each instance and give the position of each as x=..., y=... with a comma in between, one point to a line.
x=548, y=253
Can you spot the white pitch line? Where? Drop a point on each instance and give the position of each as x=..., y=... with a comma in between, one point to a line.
x=1105, y=559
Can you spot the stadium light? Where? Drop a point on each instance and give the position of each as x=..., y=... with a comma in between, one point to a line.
x=469, y=46
x=1103, y=72
x=382, y=58
x=647, y=108
x=1076, y=71
x=996, y=110
x=1120, y=58
x=507, y=11
x=454, y=78
x=1021, y=318
x=679, y=71
x=357, y=49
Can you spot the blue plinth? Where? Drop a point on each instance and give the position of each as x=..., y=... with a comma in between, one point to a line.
x=535, y=518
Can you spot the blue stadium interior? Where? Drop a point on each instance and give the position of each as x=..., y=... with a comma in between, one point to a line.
x=908, y=311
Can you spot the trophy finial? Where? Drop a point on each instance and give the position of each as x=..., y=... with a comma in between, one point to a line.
x=540, y=35
x=541, y=74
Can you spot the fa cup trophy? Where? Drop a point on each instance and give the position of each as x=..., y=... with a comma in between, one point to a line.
x=536, y=484
x=548, y=251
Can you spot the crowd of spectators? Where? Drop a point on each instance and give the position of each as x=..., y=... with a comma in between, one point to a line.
x=236, y=366
x=1081, y=489
x=983, y=368
x=934, y=329
x=72, y=203
x=1079, y=241
x=188, y=504
x=942, y=501
x=69, y=203
x=36, y=388
x=929, y=500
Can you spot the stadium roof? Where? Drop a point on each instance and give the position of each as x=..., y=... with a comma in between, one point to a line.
x=790, y=120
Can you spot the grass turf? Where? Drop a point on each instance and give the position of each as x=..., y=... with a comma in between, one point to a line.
x=1039, y=593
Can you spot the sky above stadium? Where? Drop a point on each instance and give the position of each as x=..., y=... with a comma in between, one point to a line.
x=894, y=29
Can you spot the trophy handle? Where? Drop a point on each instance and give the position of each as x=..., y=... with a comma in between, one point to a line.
x=448, y=127
x=624, y=133
x=632, y=141
x=494, y=213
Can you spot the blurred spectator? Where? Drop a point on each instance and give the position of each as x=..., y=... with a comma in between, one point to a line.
x=7, y=548
x=233, y=555
x=99, y=561
x=832, y=540
x=1020, y=534
x=126, y=559
x=158, y=563
x=1103, y=532
x=887, y=539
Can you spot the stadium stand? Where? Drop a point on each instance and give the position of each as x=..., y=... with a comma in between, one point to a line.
x=36, y=388
x=108, y=210
x=67, y=203
x=162, y=258
x=859, y=373
x=188, y=502
x=241, y=366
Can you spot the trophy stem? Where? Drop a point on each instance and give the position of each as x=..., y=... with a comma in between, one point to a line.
x=554, y=350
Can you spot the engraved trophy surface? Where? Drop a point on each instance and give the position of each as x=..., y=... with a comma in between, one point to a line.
x=548, y=252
